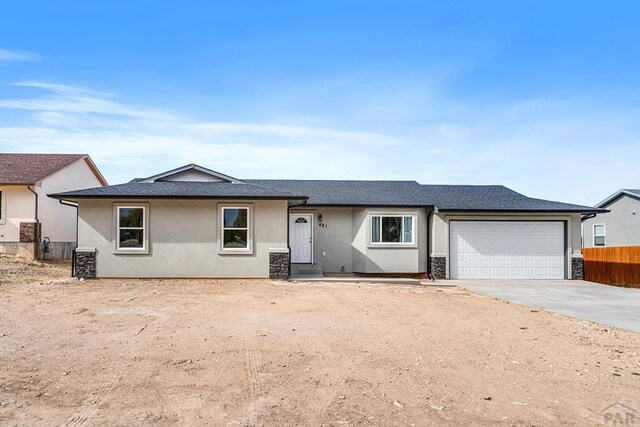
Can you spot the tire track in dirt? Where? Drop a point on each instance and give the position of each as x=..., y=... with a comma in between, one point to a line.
x=256, y=406
x=314, y=345
x=253, y=359
x=90, y=406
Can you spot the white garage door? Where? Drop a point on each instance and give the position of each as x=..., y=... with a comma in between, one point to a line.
x=506, y=250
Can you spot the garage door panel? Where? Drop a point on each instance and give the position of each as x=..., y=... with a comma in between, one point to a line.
x=541, y=271
x=486, y=271
x=471, y=256
x=499, y=256
x=527, y=271
x=507, y=249
x=513, y=272
x=555, y=271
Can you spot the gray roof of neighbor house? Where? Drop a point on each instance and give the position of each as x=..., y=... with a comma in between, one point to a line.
x=635, y=193
x=27, y=169
x=180, y=190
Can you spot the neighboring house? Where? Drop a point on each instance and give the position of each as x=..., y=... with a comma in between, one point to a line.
x=618, y=227
x=194, y=222
x=27, y=215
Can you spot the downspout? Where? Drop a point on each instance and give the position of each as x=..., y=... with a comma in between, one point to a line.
x=73, y=253
x=429, y=275
x=36, y=243
x=288, y=247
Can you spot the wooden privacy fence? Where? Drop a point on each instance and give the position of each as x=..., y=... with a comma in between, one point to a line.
x=613, y=265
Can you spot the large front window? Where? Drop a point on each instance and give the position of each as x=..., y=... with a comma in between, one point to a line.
x=392, y=229
x=235, y=228
x=131, y=228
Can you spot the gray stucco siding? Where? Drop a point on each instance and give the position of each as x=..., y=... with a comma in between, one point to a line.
x=183, y=239
x=332, y=238
x=622, y=225
x=343, y=239
x=368, y=258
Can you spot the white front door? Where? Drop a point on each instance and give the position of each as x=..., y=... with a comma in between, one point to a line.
x=300, y=239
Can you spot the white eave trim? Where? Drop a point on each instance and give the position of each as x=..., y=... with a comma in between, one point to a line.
x=615, y=195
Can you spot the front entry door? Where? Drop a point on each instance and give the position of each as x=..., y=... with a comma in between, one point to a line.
x=300, y=239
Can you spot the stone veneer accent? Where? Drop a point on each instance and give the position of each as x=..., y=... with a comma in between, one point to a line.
x=85, y=264
x=438, y=267
x=577, y=268
x=278, y=265
x=30, y=232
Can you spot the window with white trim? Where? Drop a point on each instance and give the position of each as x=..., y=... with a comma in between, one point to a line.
x=599, y=234
x=131, y=233
x=393, y=229
x=236, y=228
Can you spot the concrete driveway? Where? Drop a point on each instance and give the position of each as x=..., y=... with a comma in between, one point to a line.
x=609, y=305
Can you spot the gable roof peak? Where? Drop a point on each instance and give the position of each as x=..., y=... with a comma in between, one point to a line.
x=193, y=173
x=620, y=193
x=30, y=168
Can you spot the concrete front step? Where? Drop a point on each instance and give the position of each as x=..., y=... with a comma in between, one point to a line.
x=306, y=270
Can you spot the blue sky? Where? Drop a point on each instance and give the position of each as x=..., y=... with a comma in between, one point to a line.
x=540, y=96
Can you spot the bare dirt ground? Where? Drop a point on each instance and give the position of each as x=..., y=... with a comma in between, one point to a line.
x=237, y=352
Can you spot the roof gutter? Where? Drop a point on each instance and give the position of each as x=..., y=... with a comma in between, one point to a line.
x=36, y=242
x=373, y=206
x=69, y=197
x=515, y=211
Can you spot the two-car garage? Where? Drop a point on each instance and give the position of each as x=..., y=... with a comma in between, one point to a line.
x=507, y=249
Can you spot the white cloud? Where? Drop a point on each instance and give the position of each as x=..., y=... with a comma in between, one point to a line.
x=128, y=141
x=569, y=150
x=18, y=56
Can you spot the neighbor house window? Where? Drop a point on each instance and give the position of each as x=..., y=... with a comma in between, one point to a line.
x=236, y=233
x=392, y=229
x=598, y=234
x=131, y=228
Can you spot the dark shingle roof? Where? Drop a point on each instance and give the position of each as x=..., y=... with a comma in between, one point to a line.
x=492, y=198
x=350, y=193
x=31, y=168
x=410, y=193
x=637, y=191
x=331, y=193
x=180, y=190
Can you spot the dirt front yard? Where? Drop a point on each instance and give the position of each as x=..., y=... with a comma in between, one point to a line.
x=142, y=352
